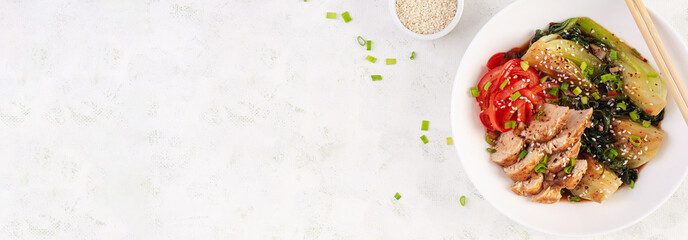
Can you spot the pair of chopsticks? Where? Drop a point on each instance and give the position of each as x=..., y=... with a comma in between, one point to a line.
x=659, y=53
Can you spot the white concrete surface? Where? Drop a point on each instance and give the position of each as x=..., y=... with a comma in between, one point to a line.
x=241, y=119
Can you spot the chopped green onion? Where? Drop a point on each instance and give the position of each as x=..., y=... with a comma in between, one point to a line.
x=596, y=96
x=346, y=17
x=584, y=100
x=621, y=105
x=462, y=200
x=646, y=123
x=424, y=139
x=475, y=92
x=553, y=92
x=424, y=126
x=589, y=71
x=564, y=86
x=568, y=169
x=635, y=140
x=652, y=75
x=577, y=91
x=371, y=59
x=489, y=140
x=487, y=86
x=449, y=141
x=504, y=83
x=632, y=184
x=544, y=79
x=361, y=41
x=608, y=77
x=524, y=65
x=538, y=115
x=331, y=15
x=634, y=115
x=574, y=199
x=612, y=55
x=617, y=84
x=491, y=150
x=515, y=96
x=583, y=66
x=544, y=159
x=413, y=55
x=611, y=153
x=523, y=154
x=376, y=77
x=391, y=61
x=510, y=124
x=540, y=168
x=636, y=51
x=397, y=196
x=368, y=45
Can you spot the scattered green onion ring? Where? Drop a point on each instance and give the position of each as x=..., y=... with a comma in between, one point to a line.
x=524, y=65
x=574, y=198
x=391, y=61
x=491, y=150
x=564, y=86
x=331, y=15
x=635, y=140
x=487, y=86
x=646, y=123
x=504, y=83
x=371, y=59
x=361, y=41
x=489, y=140
x=376, y=77
x=346, y=17
x=449, y=141
x=634, y=115
x=424, y=139
x=577, y=91
x=515, y=96
x=462, y=200
x=611, y=153
x=475, y=92
x=397, y=196
x=523, y=154
x=621, y=105
x=424, y=126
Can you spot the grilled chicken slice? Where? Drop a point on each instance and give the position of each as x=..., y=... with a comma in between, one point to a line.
x=529, y=187
x=550, y=122
x=522, y=170
x=559, y=160
x=569, y=181
x=551, y=194
x=575, y=125
x=508, y=147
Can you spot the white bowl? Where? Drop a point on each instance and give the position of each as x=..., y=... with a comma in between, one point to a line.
x=449, y=28
x=658, y=179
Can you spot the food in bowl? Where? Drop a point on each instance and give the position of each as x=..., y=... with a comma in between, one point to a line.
x=426, y=16
x=573, y=114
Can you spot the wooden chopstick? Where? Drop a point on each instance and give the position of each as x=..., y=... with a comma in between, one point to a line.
x=659, y=53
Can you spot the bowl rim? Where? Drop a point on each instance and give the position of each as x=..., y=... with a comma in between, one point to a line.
x=445, y=31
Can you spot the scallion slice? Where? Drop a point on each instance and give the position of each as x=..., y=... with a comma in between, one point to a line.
x=424, y=139
x=596, y=96
x=510, y=124
x=635, y=140
x=424, y=126
x=413, y=55
x=371, y=59
x=553, y=92
x=449, y=141
x=544, y=79
x=646, y=123
x=475, y=92
x=524, y=65
x=368, y=45
x=540, y=168
x=621, y=105
x=462, y=200
x=487, y=86
x=376, y=77
x=346, y=17
x=361, y=41
x=634, y=115
x=544, y=159
x=503, y=85
x=491, y=150
x=397, y=196
x=584, y=100
x=391, y=61
x=515, y=96
x=611, y=153
x=608, y=77
x=538, y=115
x=583, y=66
x=331, y=15
x=523, y=154
x=632, y=184
x=577, y=91
x=564, y=86
x=489, y=140
x=574, y=199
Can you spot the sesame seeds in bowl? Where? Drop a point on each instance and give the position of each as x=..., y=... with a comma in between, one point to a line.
x=426, y=19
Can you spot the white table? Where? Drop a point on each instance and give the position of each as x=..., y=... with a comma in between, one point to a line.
x=241, y=119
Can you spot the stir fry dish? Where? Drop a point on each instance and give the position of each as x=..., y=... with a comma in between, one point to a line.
x=574, y=114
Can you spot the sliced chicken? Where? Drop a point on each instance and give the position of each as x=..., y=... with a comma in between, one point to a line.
x=550, y=122
x=508, y=147
x=522, y=170
x=529, y=187
x=551, y=194
x=575, y=125
x=569, y=181
x=559, y=160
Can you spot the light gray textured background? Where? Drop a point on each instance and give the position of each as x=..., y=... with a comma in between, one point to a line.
x=241, y=119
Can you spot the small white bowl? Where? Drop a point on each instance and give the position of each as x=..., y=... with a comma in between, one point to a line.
x=449, y=28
